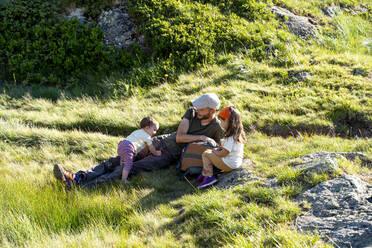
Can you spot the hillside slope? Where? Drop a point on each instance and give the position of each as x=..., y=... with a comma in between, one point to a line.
x=297, y=95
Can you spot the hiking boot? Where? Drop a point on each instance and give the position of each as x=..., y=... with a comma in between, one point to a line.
x=64, y=176
x=200, y=178
x=207, y=181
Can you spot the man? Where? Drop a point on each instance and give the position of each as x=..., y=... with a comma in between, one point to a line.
x=199, y=123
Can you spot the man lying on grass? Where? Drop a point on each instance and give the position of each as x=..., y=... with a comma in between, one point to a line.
x=199, y=123
x=128, y=150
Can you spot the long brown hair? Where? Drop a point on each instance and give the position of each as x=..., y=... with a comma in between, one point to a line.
x=235, y=127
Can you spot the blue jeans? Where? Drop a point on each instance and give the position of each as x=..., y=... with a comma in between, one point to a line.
x=105, y=172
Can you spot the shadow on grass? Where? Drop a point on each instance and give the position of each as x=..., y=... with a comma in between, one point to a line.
x=37, y=91
x=167, y=187
x=164, y=186
x=350, y=122
x=94, y=125
x=288, y=130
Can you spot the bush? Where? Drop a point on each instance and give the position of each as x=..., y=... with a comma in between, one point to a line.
x=37, y=47
x=192, y=33
x=249, y=9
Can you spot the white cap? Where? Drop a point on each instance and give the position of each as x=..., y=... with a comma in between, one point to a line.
x=209, y=100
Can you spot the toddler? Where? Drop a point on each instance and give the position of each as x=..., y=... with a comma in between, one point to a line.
x=135, y=142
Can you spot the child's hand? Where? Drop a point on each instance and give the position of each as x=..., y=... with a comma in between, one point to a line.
x=217, y=148
x=154, y=151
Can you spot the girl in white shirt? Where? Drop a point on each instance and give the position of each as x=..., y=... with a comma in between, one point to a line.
x=229, y=155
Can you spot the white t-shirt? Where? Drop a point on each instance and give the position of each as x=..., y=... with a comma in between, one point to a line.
x=139, y=138
x=235, y=157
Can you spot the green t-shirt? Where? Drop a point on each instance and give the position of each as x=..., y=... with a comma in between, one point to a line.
x=212, y=130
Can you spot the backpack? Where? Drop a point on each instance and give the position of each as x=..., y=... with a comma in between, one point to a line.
x=191, y=162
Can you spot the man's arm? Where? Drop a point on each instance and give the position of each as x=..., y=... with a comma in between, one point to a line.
x=183, y=137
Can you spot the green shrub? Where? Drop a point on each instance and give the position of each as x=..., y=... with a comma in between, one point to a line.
x=249, y=9
x=38, y=47
x=191, y=34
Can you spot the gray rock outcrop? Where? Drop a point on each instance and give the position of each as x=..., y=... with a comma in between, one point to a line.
x=341, y=212
x=352, y=156
x=120, y=30
x=332, y=11
x=359, y=71
x=313, y=163
x=237, y=177
x=299, y=25
x=323, y=165
x=356, y=11
x=77, y=13
x=299, y=75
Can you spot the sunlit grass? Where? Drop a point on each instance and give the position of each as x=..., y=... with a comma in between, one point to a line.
x=285, y=118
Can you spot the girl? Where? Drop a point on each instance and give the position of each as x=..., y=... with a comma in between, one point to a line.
x=229, y=155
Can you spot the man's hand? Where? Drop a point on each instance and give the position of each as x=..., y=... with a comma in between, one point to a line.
x=157, y=153
x=207, y=139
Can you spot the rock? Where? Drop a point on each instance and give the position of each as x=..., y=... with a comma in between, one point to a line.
x=326, y=165
x=120, y=30
x=341, y=212
x=271, y=183
x=352, y=156
x=358, y=71
x=237, y=177
x=353, y=11
x=332, y=11
x=300, y=75
x=79, y=14
x=313, y=163
x=299, y=25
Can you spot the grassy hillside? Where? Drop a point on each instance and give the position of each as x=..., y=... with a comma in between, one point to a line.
x=330, y=110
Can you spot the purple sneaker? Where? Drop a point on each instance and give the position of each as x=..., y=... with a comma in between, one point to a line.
x=200, y=178
x=207, y=181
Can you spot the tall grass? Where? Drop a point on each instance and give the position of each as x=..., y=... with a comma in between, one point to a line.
x=350, y=34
